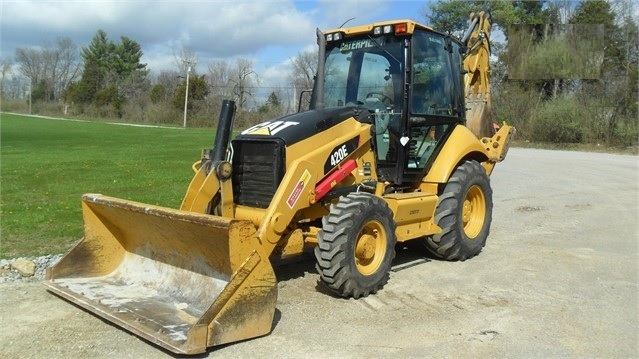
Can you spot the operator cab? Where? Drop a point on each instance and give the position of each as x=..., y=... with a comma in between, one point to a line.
x=409, y=78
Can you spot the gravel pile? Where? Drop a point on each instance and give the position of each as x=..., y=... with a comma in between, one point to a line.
x=11, y=270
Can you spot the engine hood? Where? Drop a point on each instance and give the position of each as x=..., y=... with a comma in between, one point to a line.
x=299, y=126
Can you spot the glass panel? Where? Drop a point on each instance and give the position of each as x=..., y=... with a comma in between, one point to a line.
x=432, y=83
x=361, y=69
x=458, y=91
x=423, y=141
x=367, y=72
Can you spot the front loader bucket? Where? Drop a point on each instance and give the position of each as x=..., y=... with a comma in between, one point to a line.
x=182, y=280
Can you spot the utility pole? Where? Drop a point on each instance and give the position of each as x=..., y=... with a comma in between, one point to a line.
x=29, y=95
x=186, y=94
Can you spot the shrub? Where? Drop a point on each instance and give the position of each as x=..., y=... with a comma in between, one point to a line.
x=559, y=121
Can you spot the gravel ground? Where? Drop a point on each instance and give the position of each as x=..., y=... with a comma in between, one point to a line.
x=558, y=278
x=8, y=274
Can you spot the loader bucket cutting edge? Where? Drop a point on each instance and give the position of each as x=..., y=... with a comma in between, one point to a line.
x=182, y=280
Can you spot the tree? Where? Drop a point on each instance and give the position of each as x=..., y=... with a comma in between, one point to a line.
x=273, y=100
x=112, y=72
x=65, y=65
x=220, y=81
x=244, y=81
x=272, y=104
x=5, y=69
x=185, y=58
x=198, y=90
x=158, y=93
x=302, y=74
x=84, y=90
x=50, y=69
x=30, y=64
x=236, y=81
x=615, y=92
x=304, y=68
x=165, y=85
x=451, y=17
x=125, y=58
x=97, y=54
x=41, y=92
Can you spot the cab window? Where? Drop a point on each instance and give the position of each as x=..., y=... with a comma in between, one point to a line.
x=433, y=88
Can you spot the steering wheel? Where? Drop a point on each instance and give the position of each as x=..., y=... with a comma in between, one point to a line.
x=383, y=97
x=379, y=112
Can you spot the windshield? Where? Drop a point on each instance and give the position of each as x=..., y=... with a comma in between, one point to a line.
x=368, y=72
x=364, y=72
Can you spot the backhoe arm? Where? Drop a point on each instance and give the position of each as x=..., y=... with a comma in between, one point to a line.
x=477, y=77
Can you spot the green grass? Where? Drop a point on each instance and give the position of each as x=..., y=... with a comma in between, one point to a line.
x=46, y=165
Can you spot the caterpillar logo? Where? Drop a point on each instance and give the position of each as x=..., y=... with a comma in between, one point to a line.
x=269, y=128
x=360, y=44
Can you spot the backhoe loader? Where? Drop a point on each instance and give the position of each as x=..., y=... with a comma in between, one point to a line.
x=397, y=145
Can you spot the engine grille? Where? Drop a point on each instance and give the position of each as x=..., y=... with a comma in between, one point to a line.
x=258, y=168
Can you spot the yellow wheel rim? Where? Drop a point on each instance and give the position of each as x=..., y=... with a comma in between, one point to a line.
x=370, y=248
x=474, y=211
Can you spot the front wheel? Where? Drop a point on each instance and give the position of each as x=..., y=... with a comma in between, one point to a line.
x=464, y=213
x=356, y=245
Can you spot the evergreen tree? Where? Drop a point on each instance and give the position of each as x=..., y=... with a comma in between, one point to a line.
x=112, y=72
x=198, y=90
x=273, y=100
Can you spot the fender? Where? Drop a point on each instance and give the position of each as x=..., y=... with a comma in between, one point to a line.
x=462, y=144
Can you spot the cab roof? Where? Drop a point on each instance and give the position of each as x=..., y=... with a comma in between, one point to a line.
x=368, y=28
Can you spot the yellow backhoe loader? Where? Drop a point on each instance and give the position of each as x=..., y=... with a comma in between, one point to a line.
x=385, y=154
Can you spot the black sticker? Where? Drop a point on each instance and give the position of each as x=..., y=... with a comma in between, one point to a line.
x=339, y=153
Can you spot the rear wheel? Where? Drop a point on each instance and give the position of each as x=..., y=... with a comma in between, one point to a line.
x=464, y=213
x=356, y=245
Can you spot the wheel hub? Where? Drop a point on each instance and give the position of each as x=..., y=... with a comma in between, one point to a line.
x=365, y=247
x=474, y=211
x=370, y=248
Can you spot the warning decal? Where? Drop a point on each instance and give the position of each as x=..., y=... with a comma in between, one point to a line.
x=299, y=188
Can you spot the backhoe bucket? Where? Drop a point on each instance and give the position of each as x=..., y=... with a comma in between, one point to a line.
x=183, y=280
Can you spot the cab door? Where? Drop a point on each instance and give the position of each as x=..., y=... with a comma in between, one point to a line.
x=435, y=100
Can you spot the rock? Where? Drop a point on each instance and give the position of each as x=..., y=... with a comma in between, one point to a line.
x=25, y=267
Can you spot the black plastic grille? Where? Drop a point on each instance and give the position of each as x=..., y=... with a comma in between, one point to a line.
x=258, y=168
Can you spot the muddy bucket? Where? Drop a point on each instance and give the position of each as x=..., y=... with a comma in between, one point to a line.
x=183, y=280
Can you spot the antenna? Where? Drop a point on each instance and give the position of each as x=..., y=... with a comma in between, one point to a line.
x=342, y=25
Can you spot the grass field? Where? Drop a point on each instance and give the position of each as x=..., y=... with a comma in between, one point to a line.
x=46, y=165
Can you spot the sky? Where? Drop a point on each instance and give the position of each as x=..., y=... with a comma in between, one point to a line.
x=268, y=32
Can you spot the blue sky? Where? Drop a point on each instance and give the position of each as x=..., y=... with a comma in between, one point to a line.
x=267, y=32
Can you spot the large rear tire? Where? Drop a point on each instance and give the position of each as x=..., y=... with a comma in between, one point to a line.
x=464, y=213
x=356, y=245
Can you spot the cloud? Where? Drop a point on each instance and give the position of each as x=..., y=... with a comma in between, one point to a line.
x=213, y=29
x=248, y=27
x=268, y=32
x=336, y=12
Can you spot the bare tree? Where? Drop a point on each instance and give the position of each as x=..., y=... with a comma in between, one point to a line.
x=54, y=67
x=304, y=67
x=67, y=65
x=236, y=81
x=301, y=77
x=169, y=80
x=220, y=81
x=30, y=62
x=185, y=58
x=244, y=81
x=5, y=70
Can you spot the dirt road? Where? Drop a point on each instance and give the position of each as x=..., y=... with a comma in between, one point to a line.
x=558, y=278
